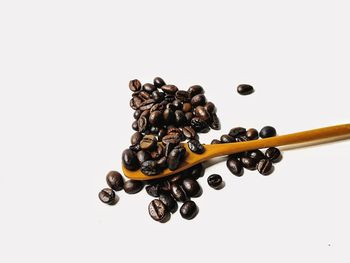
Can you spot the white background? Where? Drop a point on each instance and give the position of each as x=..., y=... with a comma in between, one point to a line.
x=64, y=72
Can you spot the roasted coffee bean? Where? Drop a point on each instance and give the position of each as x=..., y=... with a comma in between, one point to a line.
x=189, y=116
x=157, y=152
x=227, y=138
x=171, y=106
x=168, y=148
x=248, y=163
x=215, y=141
x=150, y=167
x=148, y=87
x=137, y=114
x=186, y=107
x=158, y=107
x=169, y=202
x=191, y=187
x=267, y=132
x=177, y=178
x=158, y=96
x=235, y=166
x=142, y=124
x=214, y=122
x=201, y=113
x=177, y=105
x=199, y=125
x=178, y=192
x=134, y=85
x=136, y=138
x=195, y=90
x=168, y=116
x=143, y=156
x=245, y=89
x=180, y=118
x=145, y=114
x=189, y=210
x=115, y=180
x=155, y=118
x=129, y=160
x=133, y=186
x=195, y=146
x=172, y=138
x=196, y=171
x=237, y=131
x=107, y=196
x=257, y=155
x=169, y=98
x=265, y=167
x=175, y=157
x=147, y=104
x=162, y=163
x=153, y=190
x=182, y=95
x=148, y=142
x=189, y=132
x=252, y=134
x=158, y=211
x=144, y=95
x=170, y=89
x=135, y=148
x=165, y=186
x=135, y=103
x=210, y=107
x=161, y=134
x=198, y=100
x=215, y=181
x=158, y=82
x=172, y=129
x=273, y=154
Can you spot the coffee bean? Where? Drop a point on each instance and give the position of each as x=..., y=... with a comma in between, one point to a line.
x=182, y=95
x=145, y=114
x=115, y=180
x=195, y=146
x=177, y=105
x=199, y=125
x=168, y=148
x=162, y=163
x=237, y=131
x=195, y=90
x=143, y=156
x=170, y=89
x=168, y=116
x=177, y=178
x=158, y=96
x=144, y=95
x=129, y=160
x=215, y=181
x=201, y=113
x=169, y=98
x=235, y=166
x=154, y=130
x=133, y=186
x=135, y=148
x=175, y=157
x=161, y=134
x=142, y=124
x=227, y=138
x=155, y=118
x=257, y=155
x=173, y=138
x=148, y=87
x=191, y=187
x=153, y=190
x=157, y=210
x=215, y=141
x=252, y=134
x=147, y=104
x=158, y=82
x=189, y=116
x=135, y=103
x=245, y=89
x=173, y=130
x=136, y=138
x=165, y=186
x=150, y=167
x=186, y=107
x=198, y=100
x=265, y=167
x=107, y=196
x=210, y=107
x=148, y=142
x=196, y=171
x=267, y=132
x=214, y=122
x=180, y=118
x=189, y=210
x=189, y=132
x=248, y=163
x=137, y=114
x=134, y=85
x=273, y=154
x=169, y=202
x=158, y=152
x=178, y=192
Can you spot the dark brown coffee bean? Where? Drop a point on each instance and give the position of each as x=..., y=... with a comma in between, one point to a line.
x=215, y=181
x=133, y=186
x=168, y=116
x=148, y=87
x=180, y=118
x=162, y=163
x=202, y=113
x=252, y=134
x=169, y=98
x=237, y=131
x=169, y=202
x=135, y=103
x=189, y=116
x=168, y=148
x=235, y=166
x=265, y=167
x=135, y=126
x=191, y=187
x=267, y=131
x=196, y=171
x=170, y=89
x=177, y=178
x=210, y=107
x=157, y=210
x=150, y=167
x=115, y=180
x=158, y=152
x=148, y=142
x=176, y=105
x=107, y=196
x=145, y=114
x=142, y=124
x=178, y=192
x=214, y=122
x=143, y=156
x=137, y=114
x=245, y=89
x=248, y=163
x=174, y=130
x=173, y=138
x=195, y=90
x=198, y=100
x=136, y=138
x=161, y=134
x=189, y=210
x=129, y=160
x=195, y=146
x=175, y=157
x=257, y=155
x=144, y=95
x=182, y=95
x=158, y=96
x=189, y=132
x=225, y=138
x=199, y=125
x=153, y=190
x=165, y=186
x=215, y=141
x=186, y=107
x=134, y=85
x=135, y=148
x=147, y=104
x=158, y=82
x=155, y=118
x=273, y=154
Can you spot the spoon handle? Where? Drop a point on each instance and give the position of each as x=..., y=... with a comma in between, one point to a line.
x=337, y=132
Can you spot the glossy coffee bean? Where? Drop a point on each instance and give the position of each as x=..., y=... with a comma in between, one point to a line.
x=136, y=138
x=177, y=178
x=161, y=134
x=158, y=96
x=157, y=152
x=157, y=210
x=147, y=104
x=189, y=116
x=169, y=89
x=165, y=186
x=195, y=90
x=267, y=131
x=135, y=102
x=189, y=132
x=235, y=166
x=189, y=210
x=172, y=138
x=135, y=148
x=245, y=89
x=196, y=171
x=134, y=85
x=227, y=138
x=133, y=186
x=169, y=116
x=237, y=131
x=180, y=118
x=257, y=155
x=215, y=181
x=158, y=82
x=191, y=187
x=148, y=87
x=199, y=125
x=155, y=118
x=137, y=114
x=135, y=126
x=265, y=167
x=273, y=154
x=201, y=113
x=195, y=146
x=178, y=192
x=169, y=202
x=115, y=180
x=198, y=100
x=142, y=124
x=210, y=107
x=162, y=163
x=186, y=107
x=214, y=122
x=107, y=196
x=182, y=95
x=143, y=156
x=150, y=167
x=252, y=134
x=148, y=142
x=129, y=160
x=176, y=105
x=175, y=157
x=153, y=190
x=248, y=163
x=215, y=141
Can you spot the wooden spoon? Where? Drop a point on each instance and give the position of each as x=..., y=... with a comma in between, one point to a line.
x=333, y=133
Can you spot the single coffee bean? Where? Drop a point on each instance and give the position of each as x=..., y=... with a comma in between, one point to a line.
x=257, y=155
x=157, y=210
x=135, y=103
x=189, y=132
x=252, y=134
x=158, y=107
x=168, y=148
x=177, y=178
x=227, y=138
x=195, y=90
x=182, y=95
x=214, y=122
x=148, y=142
x=245, y=89
x=168, y=116
x=158, y=82
x=175, y=157
x=115, y=180
x=248, y=163
x=196, y=171
x=178, y=192
x=176, y=105
x=195, y=146
x=191, y=187
x=235, y=166
x=172, y=138
x=180, y=118
x=135, y=148
x=155, y=118
x=134, y=85
x=153, y=190
x=237, y=131
x=265, y=167
x=136, y=138
x=215, y=141
x=198, y=100
x=144, y=95
x=210, y=107
x=215, y=181
x=162, y=163
x=189, y=116
x=158, y=96
x=133, y=186
x=148, y=87
x=150, y=167
x=273, y=154
x=147, y=104
x=145, y=114
x=129, y=160
x=157, y=152
x=169, y=98
x=142, y=124
x=170, y=89
x=267, y=132
x=161, y=134
x=137, y=114
x=201, y=113
x=143, y=156
x=189, y=210
x=199, y=125
x=186, y=107
x=169, y=202
x=173, y=129
x=165, y=186
x=107, y=196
